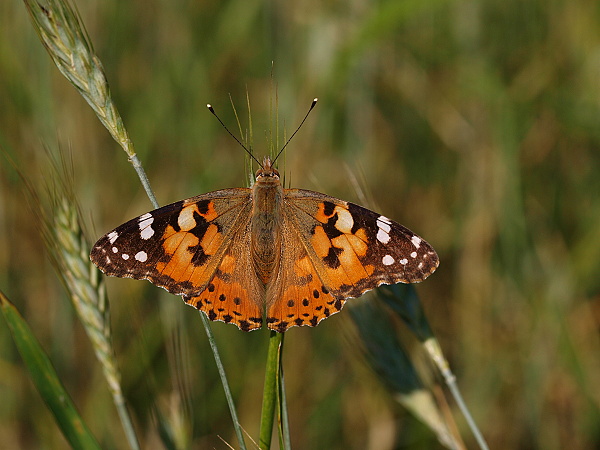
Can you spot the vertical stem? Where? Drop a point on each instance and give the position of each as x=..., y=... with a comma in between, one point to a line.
x=270, y=390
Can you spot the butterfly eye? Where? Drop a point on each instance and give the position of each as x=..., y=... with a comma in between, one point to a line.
x=271, y=173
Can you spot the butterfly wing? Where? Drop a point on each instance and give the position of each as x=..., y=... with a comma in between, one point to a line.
x=346, y=250
x=297, y=296
x=186, y=248
x=234, y=294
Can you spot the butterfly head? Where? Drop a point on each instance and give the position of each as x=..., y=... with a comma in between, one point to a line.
x=267, y=172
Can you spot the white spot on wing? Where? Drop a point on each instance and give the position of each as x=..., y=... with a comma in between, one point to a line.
x=384, y=224
x=147, y=233
x=125, y=256
x=145, y=225
x=404, y=261
x=388, y=260
x=413, y=255
x=186, y=220
x=416, y=240
x=382, y=236
x=344, y=222
x=141, y=256
x=112, y=236
x=115, y=249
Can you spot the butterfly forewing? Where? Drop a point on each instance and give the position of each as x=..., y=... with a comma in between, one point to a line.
x=355, y=249
x=177, y=247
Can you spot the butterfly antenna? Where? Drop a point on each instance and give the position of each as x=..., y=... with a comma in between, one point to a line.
x=210, y=108
x=312, y=105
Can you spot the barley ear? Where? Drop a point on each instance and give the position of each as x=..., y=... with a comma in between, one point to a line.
x=68, y=249
x=61, y=30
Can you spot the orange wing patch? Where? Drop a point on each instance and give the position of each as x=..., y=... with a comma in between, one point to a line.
x=340, y=246
x=299, y=296
x=341, y=257
x=189, y=246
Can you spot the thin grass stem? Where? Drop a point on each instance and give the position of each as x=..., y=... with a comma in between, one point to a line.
x=221, y=369
x=433, y=349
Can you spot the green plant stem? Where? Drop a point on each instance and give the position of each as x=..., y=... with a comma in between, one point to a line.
x=284, y=426
x=139, y=169
x=228, y=396
x=270, y=390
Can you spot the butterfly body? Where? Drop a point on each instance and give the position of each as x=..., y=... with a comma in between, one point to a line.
x=290, y=256
x=267, y=201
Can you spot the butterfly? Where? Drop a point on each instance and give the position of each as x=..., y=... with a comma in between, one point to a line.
x=265, y=255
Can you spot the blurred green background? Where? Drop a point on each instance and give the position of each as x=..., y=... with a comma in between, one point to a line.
x=474, y=123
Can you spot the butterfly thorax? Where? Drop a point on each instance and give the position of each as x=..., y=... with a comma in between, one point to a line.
x=266, y=221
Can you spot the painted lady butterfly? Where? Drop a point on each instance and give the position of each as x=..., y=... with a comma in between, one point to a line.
x=242, y=254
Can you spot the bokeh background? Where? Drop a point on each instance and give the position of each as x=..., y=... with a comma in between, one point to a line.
x=474, y=123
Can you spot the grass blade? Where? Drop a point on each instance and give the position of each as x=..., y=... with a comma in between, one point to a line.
x=46, y=380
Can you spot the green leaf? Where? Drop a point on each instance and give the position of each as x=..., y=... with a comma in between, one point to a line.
x=46, y=380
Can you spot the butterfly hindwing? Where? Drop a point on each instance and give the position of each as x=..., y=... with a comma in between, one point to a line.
x=297, y=295
x=234, y=294
x=177, y=247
